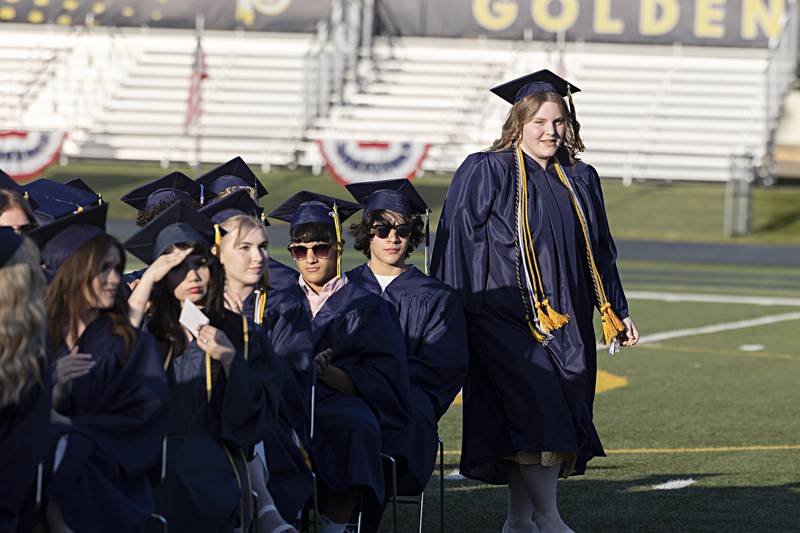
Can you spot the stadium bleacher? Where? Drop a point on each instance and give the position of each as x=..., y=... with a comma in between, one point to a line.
x=648, y=112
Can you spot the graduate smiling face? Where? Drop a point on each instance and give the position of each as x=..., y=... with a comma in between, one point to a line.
x=105, y=285
x=544, y=133
x=244, y=251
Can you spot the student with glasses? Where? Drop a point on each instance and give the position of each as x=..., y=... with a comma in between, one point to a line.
x=430, y=316
x=360, y=363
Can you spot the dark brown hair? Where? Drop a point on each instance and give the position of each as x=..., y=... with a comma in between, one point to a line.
x=523, y=112
x=65, y=299
x=362, y=232
x=146, y=215
x=165, y=310
x=13, y=199
x=313, y=232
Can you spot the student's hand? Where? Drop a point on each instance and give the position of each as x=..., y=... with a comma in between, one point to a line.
x=233, y=302
x=165, y=262
x=217, y=345
x=630, y=336
x=68, y=368
x=322, y=361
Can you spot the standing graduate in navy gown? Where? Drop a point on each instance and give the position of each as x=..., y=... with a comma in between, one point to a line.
x=430, y=315
x=236, y=175
x=244, y=254
x=109, y=391
x=360, y=361
x=525, y=240
x=224, y=378
x=24, y=382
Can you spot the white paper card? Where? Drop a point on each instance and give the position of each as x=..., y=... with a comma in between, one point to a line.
x=192, y=317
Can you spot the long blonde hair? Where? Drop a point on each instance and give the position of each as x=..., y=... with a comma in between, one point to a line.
x=237, y=227
x=22, y=324
x=523, y=112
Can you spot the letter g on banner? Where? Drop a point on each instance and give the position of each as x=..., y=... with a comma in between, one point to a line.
x=495, y=15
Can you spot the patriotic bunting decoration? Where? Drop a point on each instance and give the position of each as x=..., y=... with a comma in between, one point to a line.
x=25, y=154
x=354, y=161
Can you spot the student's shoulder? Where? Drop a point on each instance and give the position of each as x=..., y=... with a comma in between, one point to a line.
x=489, y=160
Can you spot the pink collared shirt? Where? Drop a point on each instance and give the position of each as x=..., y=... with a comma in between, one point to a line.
x=316, y=301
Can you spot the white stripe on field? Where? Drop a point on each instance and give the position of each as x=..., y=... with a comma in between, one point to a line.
x=674, y=484
x=711, y=298
x=716, y=328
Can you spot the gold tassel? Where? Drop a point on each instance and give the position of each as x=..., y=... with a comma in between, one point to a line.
x=536, y=334
x=544, y=321
x=338, y=227
x=217, y=235
x=612, y=325
x=558, y=320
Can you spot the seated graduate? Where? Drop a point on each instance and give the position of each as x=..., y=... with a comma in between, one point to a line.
x=24, y=381
x=243, y=254
x=430, y=315
x=224, y=380
x=360, y=362
x=16, y=206
x=152, y=198
x=109, y=392
x=235, y=175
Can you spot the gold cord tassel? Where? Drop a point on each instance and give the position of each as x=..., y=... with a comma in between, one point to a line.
x=338, y=226
x=540, y=337
x=558, y=320
x=612, y=325
x=217, y=235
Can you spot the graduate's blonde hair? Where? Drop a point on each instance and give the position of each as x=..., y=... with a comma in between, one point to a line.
x=236, y=227
x=523, y=112
x=22, y=323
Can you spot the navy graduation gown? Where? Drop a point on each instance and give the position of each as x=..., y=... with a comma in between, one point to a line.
x=24, y=430
x=521, y=395
x=289, y=327
x=434, y=327
x=367, y=343
x=118, y=413
x=207, y=487
x=281, y=276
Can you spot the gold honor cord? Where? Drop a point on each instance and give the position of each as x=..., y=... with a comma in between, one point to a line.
x=260, y=307
x=612, y=326
x=217, y=236
x=338, y=226
x=547, y=318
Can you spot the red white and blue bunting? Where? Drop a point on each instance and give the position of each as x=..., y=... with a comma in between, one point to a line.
x=26, y=154
x=354, y=161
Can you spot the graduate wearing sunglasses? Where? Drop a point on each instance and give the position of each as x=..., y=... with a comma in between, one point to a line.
x=430, y=315
x=360, y=363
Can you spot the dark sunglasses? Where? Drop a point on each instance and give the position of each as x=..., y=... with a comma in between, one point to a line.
x=300, y=251
x=382, y=230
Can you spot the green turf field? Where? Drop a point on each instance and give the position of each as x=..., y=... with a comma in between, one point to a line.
x=650, y=211
x=694, y=407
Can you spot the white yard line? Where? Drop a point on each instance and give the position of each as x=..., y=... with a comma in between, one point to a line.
x=712, y=298
x=716, y=328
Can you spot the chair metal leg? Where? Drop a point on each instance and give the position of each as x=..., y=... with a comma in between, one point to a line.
x=254, y=525
x=358, y=522
x=441, y=486
x=39, y=482
x=421, y=509
x=394, y=488
x=316, y=503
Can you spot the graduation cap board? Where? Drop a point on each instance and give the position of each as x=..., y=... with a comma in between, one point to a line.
x=537, y=82
x=230, y=177
x=55, y=200
x=176, y=224
x=9, y=243
x=173, y=187
x=306, y=207
x=398, y=195
x=61, y=238
x=237, y=203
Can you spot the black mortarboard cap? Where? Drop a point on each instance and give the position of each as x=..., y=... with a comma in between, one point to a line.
x=229, y=177
x=61, y=238
x=538, y=82
x=173, y=187
x=55, y=200
x=180, y=222
x=238, y=203
x=306, y=206
x=397, y=195
x=78, y=183
x=9, y=243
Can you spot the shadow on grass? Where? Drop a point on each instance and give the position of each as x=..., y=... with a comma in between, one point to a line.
x=591, y=505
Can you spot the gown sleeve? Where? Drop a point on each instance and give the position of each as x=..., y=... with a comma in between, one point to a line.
x=440, y=364
x=251, y=394
x=461, y=251
x=290, y=330
x=605, y=251
x=381, y=373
